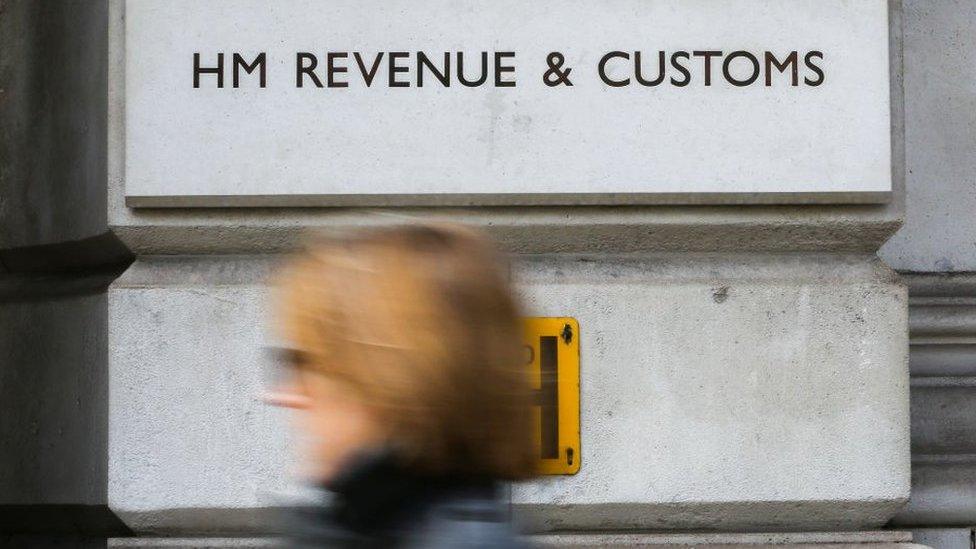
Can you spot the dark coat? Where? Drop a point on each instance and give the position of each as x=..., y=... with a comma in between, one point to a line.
x=376, y=503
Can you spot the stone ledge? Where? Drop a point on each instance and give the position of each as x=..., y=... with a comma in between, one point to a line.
x=104, y=252
x=526, y=230
x=871, y=539
x=818, y=540
x=170, y=271
x=723, y=518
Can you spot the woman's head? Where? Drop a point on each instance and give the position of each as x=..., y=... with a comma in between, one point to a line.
x=409, y=337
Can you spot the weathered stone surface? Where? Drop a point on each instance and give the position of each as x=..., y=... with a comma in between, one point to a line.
x=812, y=540
x=943, y=366
x=53, y=104
x=724, y=392
x=944, y=538
x=940, y=135
x=53, y=386
x=942, y=492
x=187, y=427
x=729, y=392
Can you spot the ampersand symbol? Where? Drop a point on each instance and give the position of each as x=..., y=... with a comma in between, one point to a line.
x=554, y=76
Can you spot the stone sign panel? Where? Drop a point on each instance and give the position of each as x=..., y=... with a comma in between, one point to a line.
x=446, y=102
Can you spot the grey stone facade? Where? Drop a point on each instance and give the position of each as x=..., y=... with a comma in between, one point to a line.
x=56, y=260
x=744, y=369
x=936, y=252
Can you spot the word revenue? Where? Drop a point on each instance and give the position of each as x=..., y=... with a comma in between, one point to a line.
x=438, y=71
x=403, y=69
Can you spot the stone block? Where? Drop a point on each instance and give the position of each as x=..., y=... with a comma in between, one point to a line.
x=718, y=391
x=192, y=447
x=729, y=392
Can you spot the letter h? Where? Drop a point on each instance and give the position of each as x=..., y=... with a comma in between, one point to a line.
x=218, y=70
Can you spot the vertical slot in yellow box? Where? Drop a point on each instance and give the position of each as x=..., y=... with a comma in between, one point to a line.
x=552, y=354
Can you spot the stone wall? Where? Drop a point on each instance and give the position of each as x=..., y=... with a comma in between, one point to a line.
x=56, y=259
x=936, y=251
x=770, y=344
x=769, y=340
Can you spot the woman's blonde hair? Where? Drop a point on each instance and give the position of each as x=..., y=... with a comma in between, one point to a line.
x=419, y=322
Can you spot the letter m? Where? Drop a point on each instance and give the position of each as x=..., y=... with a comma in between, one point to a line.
x=258, y=63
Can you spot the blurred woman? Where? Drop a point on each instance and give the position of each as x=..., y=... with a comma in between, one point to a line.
x=406, y=362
